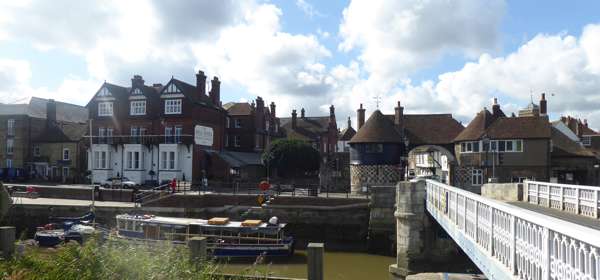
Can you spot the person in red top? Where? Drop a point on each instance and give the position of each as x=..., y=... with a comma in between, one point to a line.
x=173, y=185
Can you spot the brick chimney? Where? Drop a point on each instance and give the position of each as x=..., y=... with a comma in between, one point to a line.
x=137, y=82
x=201, y=83
x=349, y=123
x=543, y=105
x=302, y=113
x=50, y=112
x=361, y=116
x=399, y=115
x=294, y=120
x=496, y=108
x=215, y=91
x=585, y=123
x=273, y=109
x=332, y=116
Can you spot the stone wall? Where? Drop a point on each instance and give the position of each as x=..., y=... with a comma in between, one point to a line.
x=373, y=175
x=503, y=191
x=382, y=223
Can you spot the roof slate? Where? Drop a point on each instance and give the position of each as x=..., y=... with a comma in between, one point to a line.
x=563, y=146
x=377, y=129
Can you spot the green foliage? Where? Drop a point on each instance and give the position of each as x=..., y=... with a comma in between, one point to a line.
x=292, y=158
x=110, y=260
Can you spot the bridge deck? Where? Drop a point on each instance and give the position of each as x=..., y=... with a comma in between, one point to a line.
x=555, y=213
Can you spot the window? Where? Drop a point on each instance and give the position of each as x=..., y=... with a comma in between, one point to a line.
x=169, y=134
x=138, y=108
x=105, y=109
x=257, y=141
x=171, y=160
x=519, y=145
x=104, y=92
x=137, y=91
x=238, y=123
x=173, y=106
x=585, y=140
x=65, y=172
x=476, y=177
x=475, y=147
x=171, y=88
x=227, y=120
x=163, y=162
x=36, y=151
x=8, y=163
x=501, y=146
x=101, y=160
x=10, y=146
x=236, y=141
x=167, y=160
x=374, y=148
x=178, y=130
x=135, y=134
x=66, y=154
x=134, y=160
x=10, y=127
x=102, y=135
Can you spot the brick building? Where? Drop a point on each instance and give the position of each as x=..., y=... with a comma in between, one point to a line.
x=42, y=140
x=151, y=133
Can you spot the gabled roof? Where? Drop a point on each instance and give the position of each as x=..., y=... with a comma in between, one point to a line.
x=116, y=91
x=347, y=134
x=308, y=127
x=431, y=128
x=62, y=132
x=562, y=145
x=505, y=127
x=36, y=108
x=377, y=129
x=238, y=108
x=190, y=92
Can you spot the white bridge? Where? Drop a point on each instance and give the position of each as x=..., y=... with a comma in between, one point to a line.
x=509, y=242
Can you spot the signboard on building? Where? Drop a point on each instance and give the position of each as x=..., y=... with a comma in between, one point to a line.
x=203, y=135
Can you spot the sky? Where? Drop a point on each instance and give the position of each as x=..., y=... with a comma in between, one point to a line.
x=432, y=56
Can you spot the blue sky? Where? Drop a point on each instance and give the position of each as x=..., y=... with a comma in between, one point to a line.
x=434, y=56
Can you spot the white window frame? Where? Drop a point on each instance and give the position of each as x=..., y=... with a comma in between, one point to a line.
x=477, y=177
x=177, y=135
x=134, y=160
x=10, y=127
x=8, y=163
x=66, y=154
x=65, y=172
x=168, y=160
x=136, y=91
x=237, y=123
x=586, y=140
x=236, y=141
x=105, y=109
x=104, y=92
x=173, y=106
x=101, y=160
x=137, y=108
x=10, y=146
x=36, y=151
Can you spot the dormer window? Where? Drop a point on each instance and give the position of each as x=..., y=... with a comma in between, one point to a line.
x=138, y=108
x=105, y=109
x=137, y=91
x=172, y=89
x=104, y=92
x=172, y=106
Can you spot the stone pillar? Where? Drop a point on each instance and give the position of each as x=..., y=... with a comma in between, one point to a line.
x=315, y=261
x=382, y=223
x=7, y=241
x=197, y=247
x=411, y=223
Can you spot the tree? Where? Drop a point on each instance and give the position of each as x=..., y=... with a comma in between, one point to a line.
x=291, y=158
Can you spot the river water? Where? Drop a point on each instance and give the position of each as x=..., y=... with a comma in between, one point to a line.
x=337, y=266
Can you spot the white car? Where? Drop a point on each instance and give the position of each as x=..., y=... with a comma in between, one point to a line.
x=119, y=182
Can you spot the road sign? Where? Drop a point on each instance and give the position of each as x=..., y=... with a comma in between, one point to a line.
x=264, y=185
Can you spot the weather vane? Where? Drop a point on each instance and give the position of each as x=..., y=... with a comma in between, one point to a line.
x=377, y=100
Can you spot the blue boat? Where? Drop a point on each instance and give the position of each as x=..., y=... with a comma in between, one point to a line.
x=64, y=229
x=250, y=238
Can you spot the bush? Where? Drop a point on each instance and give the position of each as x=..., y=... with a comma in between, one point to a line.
x=110, y=260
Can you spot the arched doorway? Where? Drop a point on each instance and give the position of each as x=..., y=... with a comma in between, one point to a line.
x=431, y=161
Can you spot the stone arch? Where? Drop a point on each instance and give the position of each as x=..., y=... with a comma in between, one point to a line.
x=436, y=167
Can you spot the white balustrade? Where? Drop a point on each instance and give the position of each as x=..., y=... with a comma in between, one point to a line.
x=506, y=241
x=576, y=199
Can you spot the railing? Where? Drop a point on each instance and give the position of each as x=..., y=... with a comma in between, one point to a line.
x=580, y=200
x=144, y=139
x=506, y=241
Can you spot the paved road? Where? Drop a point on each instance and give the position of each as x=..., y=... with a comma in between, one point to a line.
x=69, y=202
x=566, y=216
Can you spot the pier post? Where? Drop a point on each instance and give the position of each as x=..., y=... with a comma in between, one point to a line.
x=197, y=247
x=315, y=261
x=7, y=241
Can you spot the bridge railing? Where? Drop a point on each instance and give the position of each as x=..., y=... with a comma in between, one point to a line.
x=512, y=241
x=580, y=200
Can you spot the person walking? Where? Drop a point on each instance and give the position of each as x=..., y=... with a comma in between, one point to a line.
x=174, y=185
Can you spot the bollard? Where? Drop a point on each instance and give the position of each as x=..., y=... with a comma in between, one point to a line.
x=7, y=241
x=197, y=247
x=315, y=261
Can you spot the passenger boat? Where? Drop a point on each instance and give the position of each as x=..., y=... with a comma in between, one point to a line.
x=64, y=229
x=249, y=238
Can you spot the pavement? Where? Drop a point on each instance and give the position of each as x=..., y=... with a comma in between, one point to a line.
x=69, y=202
x=563, y=215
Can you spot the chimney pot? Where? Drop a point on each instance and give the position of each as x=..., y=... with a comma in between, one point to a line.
x=215, y=91
x=294, y=120
x=302, y=113
x=543, y=105
x=201, y=83
x=360, y=116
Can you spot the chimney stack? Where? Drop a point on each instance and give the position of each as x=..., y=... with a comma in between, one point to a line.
x=332, y=116
x=585, y=123
x=273, y=109
x=215, y=91
x=137, y=82
x=302, y=113
x=399, y=115
x=349, y=123
x=50, y=112
x=201, y=83
x=361, y=116
x=543, y=105
x=496, y=108
x=260, y=104
x=294, y=120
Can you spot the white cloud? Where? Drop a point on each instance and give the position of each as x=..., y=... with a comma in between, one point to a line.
x=308, y=9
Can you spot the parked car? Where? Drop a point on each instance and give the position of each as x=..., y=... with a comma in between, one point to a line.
x=119, y=182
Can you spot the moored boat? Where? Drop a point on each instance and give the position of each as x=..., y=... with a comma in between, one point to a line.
x=249, y=238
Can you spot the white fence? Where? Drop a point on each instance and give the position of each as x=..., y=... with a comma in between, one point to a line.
x=581, y=200
x=508, y=242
